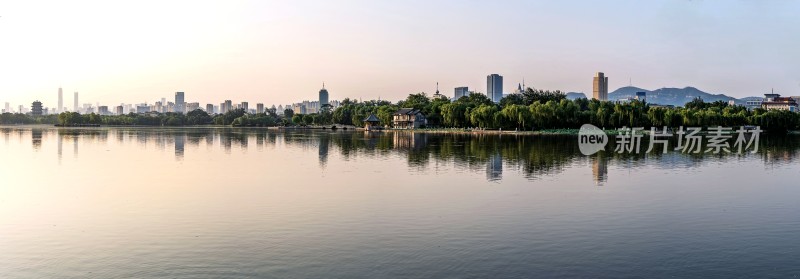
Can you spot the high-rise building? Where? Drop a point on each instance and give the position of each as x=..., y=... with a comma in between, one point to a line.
x=245, y=106
x=259, y=108
x=494, y=87
x=461, y=92
x=299, y=108
x=142, y=108
x=119, y=110
x=180, y=103
x=228, y=105
x=210, y=108
x=102, y=110
x=8, y=108
x=222, y=108
x=60, y=100
x=75, y=106
x=600, y=87
x=641, y=96
x=323, y=96
x=36, y=108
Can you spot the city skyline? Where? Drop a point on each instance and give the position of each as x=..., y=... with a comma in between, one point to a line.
x=277, y=53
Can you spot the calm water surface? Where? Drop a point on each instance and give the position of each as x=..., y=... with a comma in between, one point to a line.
x=236, y=203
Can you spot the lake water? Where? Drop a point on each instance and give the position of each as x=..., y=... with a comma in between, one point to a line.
x=253, y=203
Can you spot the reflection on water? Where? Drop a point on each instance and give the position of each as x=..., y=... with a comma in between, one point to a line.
x=494, y=168
x=599, y=168
x=530, y=156
x=258, y=203
x=180, y=141
x=36, y=138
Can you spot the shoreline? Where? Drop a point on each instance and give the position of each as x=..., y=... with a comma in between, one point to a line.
x=571, y=132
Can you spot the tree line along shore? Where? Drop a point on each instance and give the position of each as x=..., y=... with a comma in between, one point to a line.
x=532, y=110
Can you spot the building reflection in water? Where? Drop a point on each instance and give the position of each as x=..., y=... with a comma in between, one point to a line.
x=494, y=168
x=209, y=140
x=36, y=139
x=227, y=143
x=409, y=140
x=75, y=146
x=599, y=169
x=532, y=157
x=324, y=142
x=60, y=147
x=180, y=146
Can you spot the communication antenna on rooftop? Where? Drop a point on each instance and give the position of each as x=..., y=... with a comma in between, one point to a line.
x=630, y=82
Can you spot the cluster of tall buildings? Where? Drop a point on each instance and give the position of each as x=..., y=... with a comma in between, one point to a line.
x=494, y=88
x=494, y=91
x=308, y=107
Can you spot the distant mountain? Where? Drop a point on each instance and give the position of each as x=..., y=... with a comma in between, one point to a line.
x=752, y=98
x=669, y=96
x=575, y=95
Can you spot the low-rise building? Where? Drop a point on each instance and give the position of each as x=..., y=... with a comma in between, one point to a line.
x=775, y=101
x=408, y=118
x=751, y=104
x=372, y=123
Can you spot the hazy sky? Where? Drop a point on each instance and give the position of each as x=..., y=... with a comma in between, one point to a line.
x=277, y=52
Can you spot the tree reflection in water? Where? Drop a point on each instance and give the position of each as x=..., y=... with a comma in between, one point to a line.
x=532, y=156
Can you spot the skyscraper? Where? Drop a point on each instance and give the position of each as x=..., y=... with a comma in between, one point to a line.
x=461, y=92
x=494, y=87
x=180, y=103
x=210, y=109
x=641, y=96
x=323, y=96
x=245, y=106
x=259, y=108
x=600, y=87
x=60, y=101
x=75, y=106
